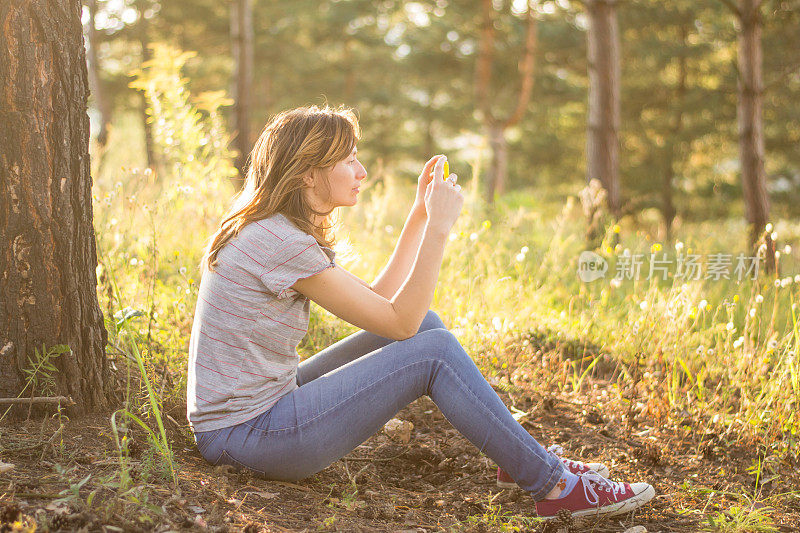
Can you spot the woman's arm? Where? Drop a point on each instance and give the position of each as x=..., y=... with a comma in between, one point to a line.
x=399, y=265
x=397, y=317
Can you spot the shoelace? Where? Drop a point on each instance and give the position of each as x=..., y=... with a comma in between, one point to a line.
x=557, y=450
x=591, y=479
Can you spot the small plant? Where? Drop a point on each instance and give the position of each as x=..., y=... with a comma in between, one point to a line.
x=72, y=494
x=749, y=518
x=494, y=516
x=40, y=372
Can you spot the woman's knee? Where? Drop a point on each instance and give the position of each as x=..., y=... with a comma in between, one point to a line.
x=431, y=321
x=441, y=341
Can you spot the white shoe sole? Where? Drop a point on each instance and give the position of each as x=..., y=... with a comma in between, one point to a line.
x=631, y=504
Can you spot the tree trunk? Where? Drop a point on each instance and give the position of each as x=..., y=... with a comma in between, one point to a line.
x=602, y=143
x=751, y=131
x=498, y=167
x=668, y=210
x=48, y=258
x=95, y=84
x=496, y=176
x=242, y=44
x=144, y=42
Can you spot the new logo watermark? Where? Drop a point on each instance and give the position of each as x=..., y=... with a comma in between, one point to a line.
x=591, y=266
x=627, y=266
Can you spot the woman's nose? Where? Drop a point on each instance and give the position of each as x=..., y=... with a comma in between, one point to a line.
x=362, y=172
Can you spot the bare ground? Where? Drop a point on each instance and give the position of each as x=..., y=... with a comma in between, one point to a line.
x=437, y=481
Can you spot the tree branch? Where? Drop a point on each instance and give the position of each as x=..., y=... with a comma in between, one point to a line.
x=483, y=68
x=63, y=400
x=526, y=71
x=730, y=5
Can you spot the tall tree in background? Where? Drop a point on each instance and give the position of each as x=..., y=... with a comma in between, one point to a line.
x=142, y=34
x=602, y=138
x=495, y=126
x=95, y=83
x=242, y=47
x=48, y=259
x=751, y=127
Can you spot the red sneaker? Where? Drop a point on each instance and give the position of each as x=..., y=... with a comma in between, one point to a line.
x=594, y=495
x=504, y=481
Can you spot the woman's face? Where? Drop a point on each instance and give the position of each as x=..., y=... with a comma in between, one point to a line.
x=343, y=182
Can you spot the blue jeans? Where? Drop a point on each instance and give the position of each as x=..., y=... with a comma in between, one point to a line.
x=348, y=391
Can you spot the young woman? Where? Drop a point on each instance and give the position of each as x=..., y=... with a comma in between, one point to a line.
x=253, y=404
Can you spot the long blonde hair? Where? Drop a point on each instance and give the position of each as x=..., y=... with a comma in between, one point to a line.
x=293, y=143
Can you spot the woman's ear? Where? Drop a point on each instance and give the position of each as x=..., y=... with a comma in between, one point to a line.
x=308, y=178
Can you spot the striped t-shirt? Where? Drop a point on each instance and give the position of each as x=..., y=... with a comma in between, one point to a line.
x=248, y=323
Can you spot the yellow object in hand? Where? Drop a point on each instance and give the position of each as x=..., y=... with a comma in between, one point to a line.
x=446, y=170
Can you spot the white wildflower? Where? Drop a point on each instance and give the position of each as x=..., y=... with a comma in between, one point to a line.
x=497, y=322
x=182, y=270
x=524, y=250
x=643, y=305
x=752, y=312
x=738, y=342
x=702, y=304
x=759, y=298
x=520, y=257
x=787, y=249
x=768, y=228
x=473, y=237
x=785, y=282
x=678, y=246
x=133, y=261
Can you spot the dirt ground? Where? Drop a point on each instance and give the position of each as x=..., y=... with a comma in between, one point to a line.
x=436, y=482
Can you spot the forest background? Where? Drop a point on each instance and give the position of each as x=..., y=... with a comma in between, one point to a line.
x=179, y=92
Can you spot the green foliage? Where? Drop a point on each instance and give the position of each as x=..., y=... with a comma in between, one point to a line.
x=40, y=370
x=189, y=131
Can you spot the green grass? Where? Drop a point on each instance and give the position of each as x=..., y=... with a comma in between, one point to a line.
x=725, y=351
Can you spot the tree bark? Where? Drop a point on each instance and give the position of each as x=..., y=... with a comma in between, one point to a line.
x=242, y=45
x=48, y=256
x=751, y=129
x=602, y=143
x=95, y=84
x=497, y=173
x=668, y=210
x=498, y=167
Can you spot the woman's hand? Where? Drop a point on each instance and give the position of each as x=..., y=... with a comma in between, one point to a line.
x=443, y=198
x=422, y=184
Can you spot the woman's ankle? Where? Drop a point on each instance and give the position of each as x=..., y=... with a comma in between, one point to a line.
x=563, y=487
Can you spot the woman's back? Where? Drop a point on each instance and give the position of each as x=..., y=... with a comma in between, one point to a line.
x=248, y=323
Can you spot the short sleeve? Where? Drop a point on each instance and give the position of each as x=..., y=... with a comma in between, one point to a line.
x=295, y=258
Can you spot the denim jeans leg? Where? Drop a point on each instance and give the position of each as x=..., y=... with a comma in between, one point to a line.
x=331, y=358
x=352, y=347
x=325, y=419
